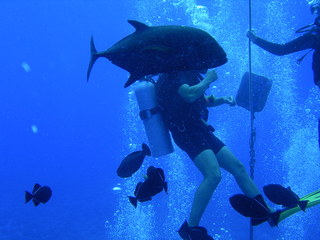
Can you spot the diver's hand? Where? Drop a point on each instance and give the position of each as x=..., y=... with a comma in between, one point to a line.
x=252, y=36
x=230, y=100
x=211, y=76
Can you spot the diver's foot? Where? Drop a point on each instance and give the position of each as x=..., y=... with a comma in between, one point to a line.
x=193, y=233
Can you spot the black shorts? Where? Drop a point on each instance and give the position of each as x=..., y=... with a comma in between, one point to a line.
x=197, y=139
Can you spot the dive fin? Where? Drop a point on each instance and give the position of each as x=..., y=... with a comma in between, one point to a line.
x=139, y=26
x=93, y=58
x=28, y=196
x=146, y=149
x=248, y=206
x=133, y=201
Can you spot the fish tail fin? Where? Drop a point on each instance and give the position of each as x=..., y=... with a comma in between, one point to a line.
x=165, y=187
x=133, y=201
x=28, y=196
x=146, y=149
x=303, y=204
x=274, y=218
x=184, y=231
x=94, y=57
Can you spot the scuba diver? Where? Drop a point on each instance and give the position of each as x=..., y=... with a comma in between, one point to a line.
x=181, y=96
x=310, y=40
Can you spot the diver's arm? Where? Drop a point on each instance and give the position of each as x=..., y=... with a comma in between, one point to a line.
x=213, y=101
x=192, y=93
x=301, y=43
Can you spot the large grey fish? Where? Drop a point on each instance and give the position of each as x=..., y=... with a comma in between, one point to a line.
x=160, y=49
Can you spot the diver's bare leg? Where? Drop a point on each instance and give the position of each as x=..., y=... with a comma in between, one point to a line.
x=208, y=165
x=230, y=163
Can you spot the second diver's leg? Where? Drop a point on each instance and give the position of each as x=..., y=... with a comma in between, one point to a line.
x=230, y=163
x=208, y=165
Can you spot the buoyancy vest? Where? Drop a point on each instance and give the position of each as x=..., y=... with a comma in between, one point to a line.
x=177, y=113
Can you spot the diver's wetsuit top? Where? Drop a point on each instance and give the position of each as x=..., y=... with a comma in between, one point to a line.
x=310, y=40
x=186, y=121
x=176, y=111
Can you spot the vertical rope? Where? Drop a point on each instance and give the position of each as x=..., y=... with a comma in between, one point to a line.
x=253, y=132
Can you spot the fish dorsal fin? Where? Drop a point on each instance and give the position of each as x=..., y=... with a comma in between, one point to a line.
x=36, y=187
x=139, y=26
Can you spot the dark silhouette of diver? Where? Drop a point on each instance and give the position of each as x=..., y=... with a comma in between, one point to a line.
x=309, y=40
x=181, y=96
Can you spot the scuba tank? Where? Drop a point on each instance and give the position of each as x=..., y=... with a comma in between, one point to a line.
x=150, y=113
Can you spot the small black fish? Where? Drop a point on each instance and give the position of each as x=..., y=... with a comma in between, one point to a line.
x=39, y=194
x=131, y=163
x=154, y=184
x=284, y=196
x=250, y=207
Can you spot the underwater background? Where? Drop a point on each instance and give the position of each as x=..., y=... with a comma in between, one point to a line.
x=59, y=130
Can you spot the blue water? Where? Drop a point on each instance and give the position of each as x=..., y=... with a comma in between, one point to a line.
x=58, y=130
